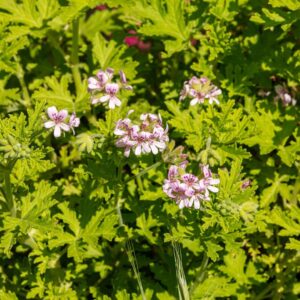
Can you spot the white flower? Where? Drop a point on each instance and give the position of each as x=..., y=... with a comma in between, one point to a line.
x=103, y=90
x=74, y=122
x=57, y=120
x=111, y=89
x=148, y=136
x=187, y=189
x=284, y=96
x=200, y=89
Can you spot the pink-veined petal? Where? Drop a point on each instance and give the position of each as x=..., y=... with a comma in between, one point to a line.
x=52, y=111
x=63, y=113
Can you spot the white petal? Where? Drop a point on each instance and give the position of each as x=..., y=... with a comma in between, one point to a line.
x=217, y=92
x=111, y=104
x=160, y=145
x=213, y=189
x=95, y=101
x=181, y=204
x=187, y=203
x=146, y=147
x=119, y=132
x=138, y=150
x=76, y=122
x=194, y=102
x=154, y=149
x=93, y=83
x=214, y=181
x=197, y=204
x=117, y=101
x=104, y=98
x=52, y=111
x=49, y=124
x=57, y=131
x=64, y=126
x=212, y=100
x=127, y=152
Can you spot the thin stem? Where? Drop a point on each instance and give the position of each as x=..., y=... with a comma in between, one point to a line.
x=139, y=183
x=74, y=56
x=263, y=293
x=144, y=171
x=20, y=76
x=117, y=194
x=53, y=41
x=201, y=273
x=296, y=188
x=134, y=264
x=128, y=244
x=109, y=117
x=8, y=190
x=183, y=291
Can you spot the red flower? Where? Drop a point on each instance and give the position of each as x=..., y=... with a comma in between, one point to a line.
x=131, y=41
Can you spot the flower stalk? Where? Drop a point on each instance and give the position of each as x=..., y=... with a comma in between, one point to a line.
x=200, y=275
x=74, y=59
x=183, y=291
x=143, y=172
x=8, y=190
x=128, y=243
x=20, y=76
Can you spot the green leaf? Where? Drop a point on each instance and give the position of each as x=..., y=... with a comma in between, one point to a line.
x=234, y=266
x=162, y=19
x=212, y=250
x=70, y=218
x=290, y=4
x=109, y=54
x=214, y=287
x=145, y=224
x=293, y=244
x=291, y=227
x=270, y=193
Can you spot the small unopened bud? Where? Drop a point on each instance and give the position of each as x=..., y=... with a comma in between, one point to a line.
x=246, y=184
x=123, y=77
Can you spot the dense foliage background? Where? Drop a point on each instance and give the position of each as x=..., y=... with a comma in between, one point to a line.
x=61, y=235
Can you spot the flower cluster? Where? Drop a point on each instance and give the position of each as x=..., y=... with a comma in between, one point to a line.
x=284, y=95
x=104, y=90
x=187, y=189
x=148, y=136
x=134, y=41
x=200, y=89
x=58, y=121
